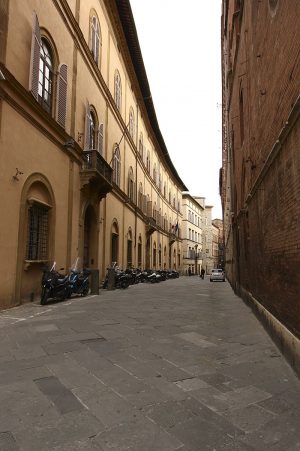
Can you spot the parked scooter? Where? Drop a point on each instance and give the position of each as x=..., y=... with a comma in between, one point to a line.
x=78, y=280
x=54, y=285
x=122, y=280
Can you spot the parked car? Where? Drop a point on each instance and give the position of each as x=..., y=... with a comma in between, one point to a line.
x=217, y=274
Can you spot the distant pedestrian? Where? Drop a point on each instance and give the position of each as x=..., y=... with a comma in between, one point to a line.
x=202, y=273
x=189, y=271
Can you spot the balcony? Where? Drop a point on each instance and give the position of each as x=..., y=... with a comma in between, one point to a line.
x=151, y=225
x=96, y=174
x=172, y=238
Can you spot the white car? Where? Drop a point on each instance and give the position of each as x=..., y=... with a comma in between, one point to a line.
x=217, y=274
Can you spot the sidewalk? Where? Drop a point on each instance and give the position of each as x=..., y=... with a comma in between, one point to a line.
x=181, y=365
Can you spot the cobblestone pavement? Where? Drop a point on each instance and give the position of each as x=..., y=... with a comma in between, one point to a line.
x=181, y=365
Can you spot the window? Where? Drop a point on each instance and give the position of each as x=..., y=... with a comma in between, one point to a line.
x=154, y=173
x=141, y=146
x=43, y=66
x=131, y=185
x=140, y=196
x=92, y=130
x=45, y=76
x=94, y=133
x=131, y=123
x=95, y=39
x=165, y=189
x=148, y=162
x=37, y=236
x=116, y=166
x=118, y=90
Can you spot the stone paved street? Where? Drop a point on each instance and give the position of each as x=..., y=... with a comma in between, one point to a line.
x=181, y=365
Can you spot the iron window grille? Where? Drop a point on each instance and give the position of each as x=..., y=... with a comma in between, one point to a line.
x=38, y=233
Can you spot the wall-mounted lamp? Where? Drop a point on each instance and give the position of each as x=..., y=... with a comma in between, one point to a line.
x=15, y=177
x=79, y=136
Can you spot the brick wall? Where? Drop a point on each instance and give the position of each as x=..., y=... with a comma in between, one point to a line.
x=261, y=45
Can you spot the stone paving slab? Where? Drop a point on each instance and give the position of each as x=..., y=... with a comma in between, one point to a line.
x=179, y=366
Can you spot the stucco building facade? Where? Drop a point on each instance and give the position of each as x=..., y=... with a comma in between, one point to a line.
x=84, y=170
x=192, y=237
x=261, y=160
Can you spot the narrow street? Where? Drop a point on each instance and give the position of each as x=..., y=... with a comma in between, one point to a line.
x=181, y=365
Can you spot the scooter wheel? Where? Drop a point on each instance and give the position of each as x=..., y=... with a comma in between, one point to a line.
x=85, y=291
x=45, y=295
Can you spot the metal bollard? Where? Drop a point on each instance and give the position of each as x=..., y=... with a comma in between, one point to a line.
x=111, y=279
x=94, y=279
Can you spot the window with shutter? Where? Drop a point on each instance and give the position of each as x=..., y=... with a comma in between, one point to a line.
x=62, y=95
x=35, y=57
x=87, y=128
x=141, y=145
x=130, y=184
x=45, y=76
x=100, y=139
x=118, y=90
x=117, y=166
x=131, y=123
x=95, y=39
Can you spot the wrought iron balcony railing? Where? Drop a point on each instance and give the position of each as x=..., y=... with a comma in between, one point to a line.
x=96, y=173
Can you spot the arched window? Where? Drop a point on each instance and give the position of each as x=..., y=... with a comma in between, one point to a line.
x=43, y=66
x=92, y=131
x=141, y=145
x=118, y=90
x=95, y=39
x=45, y=76
x=94, y=139
x=117, y=165
x=131, y=185
x=148, y=162
x=140, y=198
x=154, y=173
x=131, y=123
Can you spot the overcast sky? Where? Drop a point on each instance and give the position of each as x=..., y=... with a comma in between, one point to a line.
x=180, y=44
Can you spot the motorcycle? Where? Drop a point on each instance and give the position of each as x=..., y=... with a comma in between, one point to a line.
x=122, y=280
x=54, y=285
x=78, y=280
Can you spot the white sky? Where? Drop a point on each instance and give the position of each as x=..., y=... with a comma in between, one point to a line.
x=181, y=48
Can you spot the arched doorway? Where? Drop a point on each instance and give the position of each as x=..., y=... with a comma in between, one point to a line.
x=129, y=249
x=114, y=242
x=148, y=254
x=139, y=256
x=36, y=236
x=90, y=238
